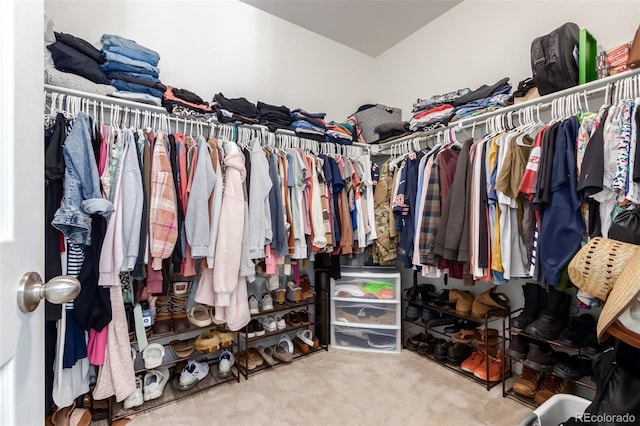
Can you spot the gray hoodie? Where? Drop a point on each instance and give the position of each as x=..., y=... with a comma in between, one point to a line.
x=196, y=221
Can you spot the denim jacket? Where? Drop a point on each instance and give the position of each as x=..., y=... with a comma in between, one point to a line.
x=82, y=196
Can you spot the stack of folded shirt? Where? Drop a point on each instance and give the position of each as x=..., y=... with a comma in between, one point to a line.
x=132, y=69
x=186, y=103
x=341, y=133
x=75, y=55
x=438, y=105
x=483, y=99
x=437, y=100
x=481, y=106
x=235, y=110
x=391, y=130
x=309, y=125
x=274, y=117
x=432, y=118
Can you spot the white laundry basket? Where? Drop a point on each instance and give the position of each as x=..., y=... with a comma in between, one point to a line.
x=556, y=410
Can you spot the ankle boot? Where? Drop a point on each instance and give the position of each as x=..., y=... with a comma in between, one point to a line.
x=553, y=318
x=534, y=297
x=162, y=323
x=179, y=296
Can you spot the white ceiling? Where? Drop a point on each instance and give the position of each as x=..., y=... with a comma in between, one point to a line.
x=370, y=26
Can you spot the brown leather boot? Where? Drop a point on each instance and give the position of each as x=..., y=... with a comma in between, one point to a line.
x=179, y=296
x=162, y=322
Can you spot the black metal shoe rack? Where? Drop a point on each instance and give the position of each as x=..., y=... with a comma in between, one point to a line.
x=445, y=310
x=507, y=388
x=319, y=322
x=171, y=392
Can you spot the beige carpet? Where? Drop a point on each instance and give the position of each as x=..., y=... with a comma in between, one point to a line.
x=345, y=388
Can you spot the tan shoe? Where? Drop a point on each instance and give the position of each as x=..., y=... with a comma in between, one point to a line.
x=162, y=323
x=294, y=293
x=551, y=385
x=528, y=382
x=179, y=296
x=490, y=303
x=279, y=296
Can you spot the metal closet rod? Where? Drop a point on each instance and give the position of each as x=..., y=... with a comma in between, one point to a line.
x=590, y=89
x=110, y=102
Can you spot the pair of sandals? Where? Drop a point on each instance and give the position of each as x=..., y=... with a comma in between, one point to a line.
x=480, y=337
x=282, y=351
x=201, y=316
x=214, y=340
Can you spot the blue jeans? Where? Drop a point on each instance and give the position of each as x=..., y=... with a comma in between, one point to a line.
x=113, y=67
x=114, y=57
x=132, y=49
x=133, y=74
x=125, y=86
x=82, y=196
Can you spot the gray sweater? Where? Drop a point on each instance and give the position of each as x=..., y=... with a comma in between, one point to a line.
x=132, y=199
x=260, y=232
x=196, y=221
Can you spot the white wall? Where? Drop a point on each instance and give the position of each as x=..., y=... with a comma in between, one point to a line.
x=230, y=47
x=479, y=42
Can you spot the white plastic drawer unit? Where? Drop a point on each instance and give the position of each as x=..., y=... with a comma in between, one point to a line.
x=365, y=339
x=367, y=286
x=365, y=309
x=358, y=313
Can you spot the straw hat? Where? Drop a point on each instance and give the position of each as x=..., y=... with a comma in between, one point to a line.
x=620, y=316
x=595, y=268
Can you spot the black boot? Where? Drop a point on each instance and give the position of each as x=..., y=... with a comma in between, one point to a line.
x=553, y=318
x=534, y=297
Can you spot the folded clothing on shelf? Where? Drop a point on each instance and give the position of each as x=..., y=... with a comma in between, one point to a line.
x=69, y=80
x=235, y=110
x=274, y=117
x=437, y=100
x=129, y=48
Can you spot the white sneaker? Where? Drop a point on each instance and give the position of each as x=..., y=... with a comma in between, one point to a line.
x=267, y=302
x=280, y=323
x=192, y=374
x=269, y=324
x=154, y=383
x=136, y=398
x=253, y=305
x=225, y=363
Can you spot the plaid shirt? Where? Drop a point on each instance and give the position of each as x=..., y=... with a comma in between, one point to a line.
x=430, y=217
x=163, y=217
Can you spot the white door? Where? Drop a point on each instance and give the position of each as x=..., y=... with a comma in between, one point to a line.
x=21, y=209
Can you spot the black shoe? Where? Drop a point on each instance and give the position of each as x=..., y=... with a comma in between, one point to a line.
x=442, y=299
x=542, y=358
x=442, y=350
x=534, y=297
x=412, y=312
x=573, y=368
x=553, y=318
x=443, y=320
x=429, y=347
x=519, y=347
x=460, y=325
x=428, y=315
x=591, y=344
x=459, y=352
x=257, y=327
x=413, y=341
x=576, y=332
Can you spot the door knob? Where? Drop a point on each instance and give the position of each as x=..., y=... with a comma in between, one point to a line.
x=31, y=290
